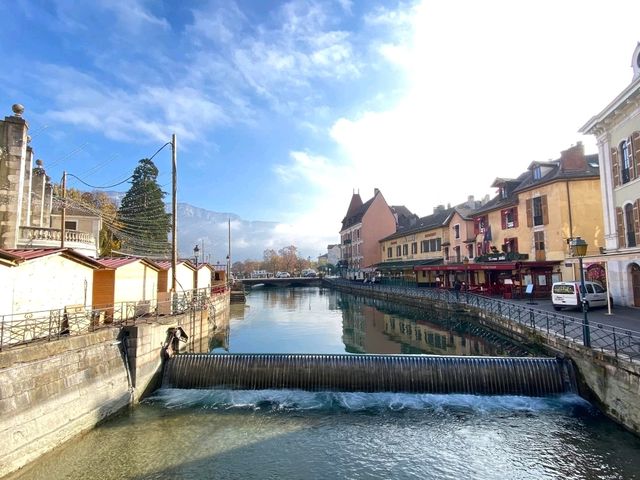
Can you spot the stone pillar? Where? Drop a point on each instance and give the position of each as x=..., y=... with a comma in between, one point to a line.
x=13, y=142
x=26, y=191
x=47, y=202
x=38, y=197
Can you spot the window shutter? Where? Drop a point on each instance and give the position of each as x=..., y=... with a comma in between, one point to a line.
x=503, y=218
x=636, y=220
x=529, y=212
x=620, y=227
x=545, y=210
x=615, y=166
x=476, y=226
x=515, y=245
x=635, y=139
x=515, y=217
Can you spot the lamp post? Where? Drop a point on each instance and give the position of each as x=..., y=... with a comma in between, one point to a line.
x=579, y=249
x=196, y=250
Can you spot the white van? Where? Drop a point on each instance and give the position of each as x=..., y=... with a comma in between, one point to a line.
x=567, y=294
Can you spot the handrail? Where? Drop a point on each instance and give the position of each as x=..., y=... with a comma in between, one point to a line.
x=621, y=342
x=47, y=325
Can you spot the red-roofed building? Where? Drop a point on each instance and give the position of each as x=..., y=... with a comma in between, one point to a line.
x=125, y=280
x=42, y=279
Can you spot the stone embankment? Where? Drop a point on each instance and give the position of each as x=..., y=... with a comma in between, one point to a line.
x=52, y=391
x=607, y=377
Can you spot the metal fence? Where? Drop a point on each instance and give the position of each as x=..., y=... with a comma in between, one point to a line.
x=21, y=328
x=620, y=342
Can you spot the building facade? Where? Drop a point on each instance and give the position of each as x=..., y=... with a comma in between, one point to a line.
x=362, y=227
x=617, y=131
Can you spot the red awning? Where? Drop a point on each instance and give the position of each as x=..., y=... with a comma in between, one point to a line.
x=470, y=267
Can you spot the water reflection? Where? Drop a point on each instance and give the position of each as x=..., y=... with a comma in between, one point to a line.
x=316, y=320
x=373, y=326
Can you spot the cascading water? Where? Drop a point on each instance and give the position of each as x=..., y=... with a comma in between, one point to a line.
x=372, y=373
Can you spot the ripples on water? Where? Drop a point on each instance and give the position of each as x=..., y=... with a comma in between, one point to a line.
x=273, y=434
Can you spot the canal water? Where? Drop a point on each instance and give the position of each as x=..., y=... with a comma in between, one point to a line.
x=178, y=434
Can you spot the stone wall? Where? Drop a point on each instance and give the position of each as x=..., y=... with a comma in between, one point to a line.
x=53, y=391
x=50, y=392
x=613, y=384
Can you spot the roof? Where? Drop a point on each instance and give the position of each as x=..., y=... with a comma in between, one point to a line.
x=356, y=215
x=117, y=262
x=557, y=173
x=435, y=220
x=15, y=256
x=166, y=264
x=404, y=216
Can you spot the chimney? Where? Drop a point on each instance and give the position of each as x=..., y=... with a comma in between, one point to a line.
x=573, y=160
x=438, y=208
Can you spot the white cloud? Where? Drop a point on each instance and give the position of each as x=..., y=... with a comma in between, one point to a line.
x=510, y=84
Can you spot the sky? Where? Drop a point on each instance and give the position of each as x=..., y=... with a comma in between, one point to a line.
x=282, y=109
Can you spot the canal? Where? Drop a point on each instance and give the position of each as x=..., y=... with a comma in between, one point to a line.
x=271, y=434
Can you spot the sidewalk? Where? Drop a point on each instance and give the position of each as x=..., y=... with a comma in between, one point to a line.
x=626, y=318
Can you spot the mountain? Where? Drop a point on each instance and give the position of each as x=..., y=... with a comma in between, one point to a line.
x=210, y=230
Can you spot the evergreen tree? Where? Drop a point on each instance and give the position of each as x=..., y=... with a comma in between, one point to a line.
x=142, y=217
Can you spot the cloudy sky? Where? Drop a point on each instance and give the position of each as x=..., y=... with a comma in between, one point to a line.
x=282, y=109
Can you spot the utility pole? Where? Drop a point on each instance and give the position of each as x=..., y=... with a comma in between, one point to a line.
x=229, y=253
x=63, y=216
x=174, y=213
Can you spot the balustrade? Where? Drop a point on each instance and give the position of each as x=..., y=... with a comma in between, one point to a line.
x=30, y=234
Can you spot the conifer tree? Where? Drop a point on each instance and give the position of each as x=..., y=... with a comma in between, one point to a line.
x=142, y=216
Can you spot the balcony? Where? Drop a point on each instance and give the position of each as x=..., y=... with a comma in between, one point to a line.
x=40, y=237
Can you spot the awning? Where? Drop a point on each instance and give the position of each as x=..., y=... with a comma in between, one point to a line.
x=461, y=267
x=398, y=265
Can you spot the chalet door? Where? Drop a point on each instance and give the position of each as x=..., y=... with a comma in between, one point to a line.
x=635, y=284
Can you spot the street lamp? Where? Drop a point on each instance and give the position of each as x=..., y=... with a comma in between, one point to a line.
x=196, y=250
x=579, y=249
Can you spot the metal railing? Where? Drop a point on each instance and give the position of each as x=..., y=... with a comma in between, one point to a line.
x=47, y=325
x=619, y=342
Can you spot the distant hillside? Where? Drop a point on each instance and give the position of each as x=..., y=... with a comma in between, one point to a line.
x=198, y=225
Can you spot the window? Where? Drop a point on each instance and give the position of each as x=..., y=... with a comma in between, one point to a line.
x=538, y=240
x=537, y=173
x=509, y=218
x=405, y=249
x=456, y=231
x=625, y=171
x=630, y=232
x=479, y=224
x=470, y=250
x=70, y=225
x=503, y=192
x=389, y=252
x=398, y=251
x=456, y=251
x=446, y=253
x=511, y=245
x=414, y=248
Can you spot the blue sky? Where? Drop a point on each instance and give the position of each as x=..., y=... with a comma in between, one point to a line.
x=282, y=109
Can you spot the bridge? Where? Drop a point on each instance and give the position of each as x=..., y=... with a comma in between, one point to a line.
x=282, y=282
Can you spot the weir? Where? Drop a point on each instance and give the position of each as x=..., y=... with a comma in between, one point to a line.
x=529, y=376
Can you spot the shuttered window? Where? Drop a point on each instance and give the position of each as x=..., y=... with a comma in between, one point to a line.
x=509, y=218
x=626, y=164
x=635, y=140
x=630, y=224
x=620, y=227
x=615, y=166
x=537, y=211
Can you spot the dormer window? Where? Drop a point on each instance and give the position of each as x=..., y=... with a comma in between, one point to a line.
x=537, y=173
x=503, y=192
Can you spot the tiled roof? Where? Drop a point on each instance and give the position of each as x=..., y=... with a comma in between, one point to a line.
x=356, y=216
x=437, y=219
x=117, y=262
x=166, y=264
x=557, y=173
x=16, y=256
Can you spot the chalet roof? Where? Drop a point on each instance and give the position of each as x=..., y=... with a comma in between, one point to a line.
x=15, y=256
x=435, y=220
x=117, y=262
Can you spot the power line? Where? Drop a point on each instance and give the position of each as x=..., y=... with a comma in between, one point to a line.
x=93, y=186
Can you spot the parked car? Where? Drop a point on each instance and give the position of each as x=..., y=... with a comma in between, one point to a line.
x=567, y=294
x=282, y=275
x=309, y=273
